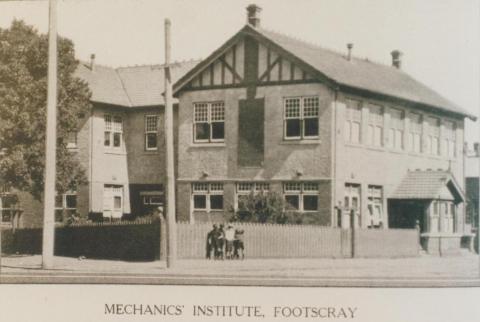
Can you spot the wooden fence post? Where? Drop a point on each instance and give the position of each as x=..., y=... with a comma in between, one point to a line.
x=352, y=227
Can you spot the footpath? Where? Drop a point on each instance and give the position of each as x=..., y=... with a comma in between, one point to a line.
x=420, y=271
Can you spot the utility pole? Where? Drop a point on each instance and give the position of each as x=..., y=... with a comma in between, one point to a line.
x=51, y=140
x=171, y=220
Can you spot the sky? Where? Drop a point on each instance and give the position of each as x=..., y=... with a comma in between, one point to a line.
x=440, y=39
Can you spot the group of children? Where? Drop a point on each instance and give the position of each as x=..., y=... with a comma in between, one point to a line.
x=225, y=243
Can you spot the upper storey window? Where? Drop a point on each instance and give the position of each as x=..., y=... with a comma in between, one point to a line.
x=415, y=133
x=449, y=139
x=353, y=121
x=433, y=135
x=375, y=126
x=301, y=117
x=113, y=130
x=151, y=127
x=209, y=122
x=395, y=132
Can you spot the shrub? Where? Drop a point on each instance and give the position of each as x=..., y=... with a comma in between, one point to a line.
x=264, y=207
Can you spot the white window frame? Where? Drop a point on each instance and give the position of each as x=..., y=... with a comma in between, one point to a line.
x=111, y=191
x=415, y=132
x=211, y=117
x=207, y=189
x=147, y=200
x=375, y=123
x=433, y=136
x=5, y=193
x=246, y=188
x=302, y=189
x=353, y=116
x=396, y=129
x=375, y=199
x=449, y=139
x=301, y=116
x=64, y=205
x=150, y=130
x=113, y=124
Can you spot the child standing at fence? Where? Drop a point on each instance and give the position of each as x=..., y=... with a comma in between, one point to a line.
x=229, y=238
x=238, y=244
x=211, y=241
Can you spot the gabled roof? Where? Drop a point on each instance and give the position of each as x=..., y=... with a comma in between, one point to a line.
x=335, y=69
x=134, y=86
x=428, y=185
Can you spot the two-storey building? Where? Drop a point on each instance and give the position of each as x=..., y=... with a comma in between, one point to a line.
x=331, y=132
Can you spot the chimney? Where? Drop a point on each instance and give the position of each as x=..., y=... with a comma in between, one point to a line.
x=476, y=149
x=349, y=54
x=92, y=62
x=397, y=59
x=253, y=15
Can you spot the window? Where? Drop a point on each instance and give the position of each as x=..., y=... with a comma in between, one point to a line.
x=207, y=196
x=7, y=205
x=375, y=125
x=352, y=196
x=209, y=122
x=395, y=132
x=153, y=200
x=433, y=136
x=151, y=128
x=449, y=139
x=72, y=140
x=415, y=133
x=353, y=121
x=375, y=206
x=301, y=117
x=302, y=196
x=246, y=188
x=65, y=206
x=113, y=201
x=113, y=131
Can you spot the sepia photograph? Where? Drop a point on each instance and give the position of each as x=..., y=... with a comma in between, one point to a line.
x=240, y=143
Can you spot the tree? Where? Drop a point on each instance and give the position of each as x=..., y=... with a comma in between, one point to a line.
x=23, y=95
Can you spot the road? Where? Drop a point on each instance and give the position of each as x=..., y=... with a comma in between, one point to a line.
x=401, y=272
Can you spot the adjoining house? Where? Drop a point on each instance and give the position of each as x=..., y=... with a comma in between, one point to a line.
x=120, y=146
x=334, y=134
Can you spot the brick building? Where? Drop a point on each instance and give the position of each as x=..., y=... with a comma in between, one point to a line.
x=332, y=133
x=329, y=131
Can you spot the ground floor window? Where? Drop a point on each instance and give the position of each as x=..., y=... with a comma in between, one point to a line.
x=207, y=196
x=244, y=189
x=302, y=196
x=352, y=196
x=113, y=201
x=7, y=207
x=375, y=207
x=65, y=206
x=153, y=200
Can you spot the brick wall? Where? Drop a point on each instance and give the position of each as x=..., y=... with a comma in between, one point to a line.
x=282, y=159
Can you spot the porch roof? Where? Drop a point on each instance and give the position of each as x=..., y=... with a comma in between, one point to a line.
x=429, y=184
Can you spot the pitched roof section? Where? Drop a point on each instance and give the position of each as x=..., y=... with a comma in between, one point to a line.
x=428, y=185
x=362, y=74
x=134, y=86
x=329, y=65
x=104, y=83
